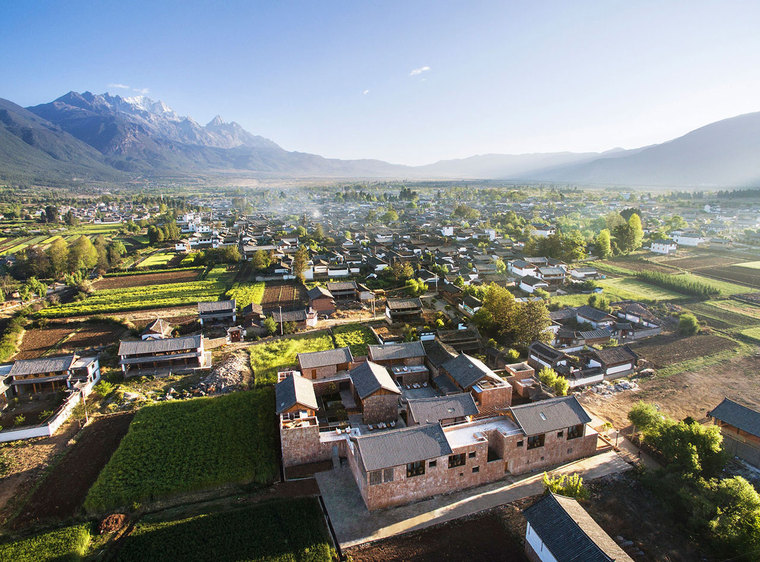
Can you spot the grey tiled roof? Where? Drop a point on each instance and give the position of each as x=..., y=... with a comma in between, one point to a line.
x=438, y=352
x=433, y=410
x=294, y=390
x=735, y=414
x=341, y=286
x=615, y=355
x=550, y=415
x=160, y=346
x=593, y=314
x=403, y=304
x=402, y=446
x=370, y=377
x=403, y=350
x=210, y=307
x=315, y=359
x=42, y=365
x=569, y=533
x=466, y=370
x=318, y=293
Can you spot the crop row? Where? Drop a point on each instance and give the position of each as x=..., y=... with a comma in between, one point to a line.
x=681, y=283
x=137, y=272
x=246, y=293
x=144, y=297
x=177, y=447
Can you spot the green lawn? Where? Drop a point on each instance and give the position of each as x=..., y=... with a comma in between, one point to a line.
x=749, y=264
x=184, y=446
x=623, y=288
x=281, y=530
x=268, y=358
x=159, y=259
x=67, y=543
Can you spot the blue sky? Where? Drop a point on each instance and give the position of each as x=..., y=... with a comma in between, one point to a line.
x=338, y=78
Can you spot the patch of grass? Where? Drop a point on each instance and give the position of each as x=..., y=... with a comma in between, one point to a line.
x=246, y=293
x=197, y=444
x=355, y=336
x=283, y=530
x=159, y=259
x=268, y=358
x=623, y=288
x=752, y=333
x=68, y=543
x=749, y=264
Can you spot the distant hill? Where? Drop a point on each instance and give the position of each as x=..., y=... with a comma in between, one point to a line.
x=724, y=153
x=112, y=138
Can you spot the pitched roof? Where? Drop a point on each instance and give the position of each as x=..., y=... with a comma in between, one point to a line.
x=159, y=326
x=615, y=355
x=42, y=365
x=252, y=308
x=216, y=306
x=735, y=414
x=546, y=350
x=403, y=350
x=550, y=415
x=402, y=446
x=592, y=313
x=438, y=352
x=403, y=304
x=532, y=281
x=569, y=532
x=370, y=377
x=294, y=390
x=466, y=370
x=433, y=410
x=341, y=286
x=319, y=293
x=315, y=359
x=159, y=346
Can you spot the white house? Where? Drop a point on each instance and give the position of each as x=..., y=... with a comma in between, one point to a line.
x=663, y=246
x=688, y=238
x=543, y=230
x=529, y=284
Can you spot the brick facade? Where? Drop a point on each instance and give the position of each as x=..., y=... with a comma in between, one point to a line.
x=380, y=407
x=301, y=445
x=492, y=399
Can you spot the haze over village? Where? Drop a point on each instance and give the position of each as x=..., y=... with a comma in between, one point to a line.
x=374, y=282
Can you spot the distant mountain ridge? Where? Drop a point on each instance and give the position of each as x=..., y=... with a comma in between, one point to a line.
x=112, y=138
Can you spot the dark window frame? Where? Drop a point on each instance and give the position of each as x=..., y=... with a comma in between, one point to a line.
x=575, y=431
x=416, y=468
x=457, y=460
x=536, y=441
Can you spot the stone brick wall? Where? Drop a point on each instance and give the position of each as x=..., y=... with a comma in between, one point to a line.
x=320, y=372
x=556, y=450
x=413, y=378
x=380, y=408
x=497, y=398
x=301, y=445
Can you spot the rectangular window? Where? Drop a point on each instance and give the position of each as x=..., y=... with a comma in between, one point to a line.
x=559, y=433
x=472, y=454
x=375, y=477
x=457, y=460
x=416, y=468
x=535, y=441
x=431, y=464
x=388, y=475
x=475, y=469
x=575, y=431
x=519, y=443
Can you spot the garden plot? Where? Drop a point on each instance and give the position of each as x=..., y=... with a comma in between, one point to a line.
x=289, y=296
x=146, y=279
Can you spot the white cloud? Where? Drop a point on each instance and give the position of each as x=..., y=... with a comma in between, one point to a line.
x=142, y=91
x=365, y=92
x=119, y=86
x=418, y=71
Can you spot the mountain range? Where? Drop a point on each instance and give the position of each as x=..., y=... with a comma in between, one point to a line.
x=91, y=137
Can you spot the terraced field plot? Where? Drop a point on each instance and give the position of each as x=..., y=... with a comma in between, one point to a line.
x=664, y=351
x=716, y=315
x=288, y=295
x=144, y=279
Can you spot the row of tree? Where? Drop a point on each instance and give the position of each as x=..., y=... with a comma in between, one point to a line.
x=61, y=258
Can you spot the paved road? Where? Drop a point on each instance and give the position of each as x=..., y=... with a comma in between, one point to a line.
x=354, y=524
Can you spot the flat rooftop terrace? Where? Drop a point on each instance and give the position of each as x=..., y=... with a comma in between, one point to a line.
x=461, y=435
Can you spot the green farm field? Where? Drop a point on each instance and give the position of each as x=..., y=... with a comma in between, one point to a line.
x=282, y=530
x=190, y=445
x=355, y=336
x=67, y=543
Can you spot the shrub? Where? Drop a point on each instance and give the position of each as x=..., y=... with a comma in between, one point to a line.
x=679, y=283
x=44, y=414
x=513, y=355
x=688, y=325
x=571, y=486
x=559, y=385
x=19, y=420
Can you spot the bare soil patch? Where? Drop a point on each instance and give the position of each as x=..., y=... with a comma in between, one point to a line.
x=669, y=349
x=164, y=278
x=29, y=460
x=62, y=492
x=94, y=335
x=692, y=393
x=38, y=341
x=733, y=274
x=289, y=296
x=484, y=536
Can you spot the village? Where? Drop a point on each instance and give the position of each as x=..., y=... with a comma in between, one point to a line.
x=396, y=362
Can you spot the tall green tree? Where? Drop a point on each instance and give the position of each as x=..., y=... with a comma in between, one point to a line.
x=603, y=243
x=300, y=262
x=58, y=254
x=82, y=254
